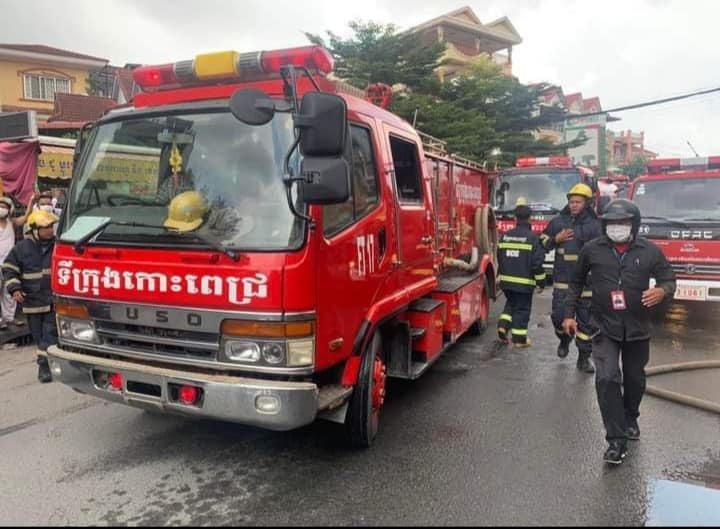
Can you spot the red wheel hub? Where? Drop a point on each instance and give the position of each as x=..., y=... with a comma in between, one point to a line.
x=379, y=380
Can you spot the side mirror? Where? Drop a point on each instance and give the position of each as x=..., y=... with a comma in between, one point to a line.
x=327, y=180
x=252, y=107
x=499, y=198
x=322, y=121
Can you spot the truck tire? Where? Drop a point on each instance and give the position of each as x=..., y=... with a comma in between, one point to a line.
x=363, y=416
x=485, y=230
x=480, y=326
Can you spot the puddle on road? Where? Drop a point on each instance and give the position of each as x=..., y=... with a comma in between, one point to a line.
x=686, y=499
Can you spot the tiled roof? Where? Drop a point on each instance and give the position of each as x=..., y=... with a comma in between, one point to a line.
x=79, y=108
x=48, y=50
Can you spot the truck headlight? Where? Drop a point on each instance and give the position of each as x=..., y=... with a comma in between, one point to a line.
x=78, y=330
x=273, y=353
x=301, y=353
x=239, y=351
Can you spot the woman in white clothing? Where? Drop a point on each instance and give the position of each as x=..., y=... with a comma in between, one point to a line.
x=7, y=242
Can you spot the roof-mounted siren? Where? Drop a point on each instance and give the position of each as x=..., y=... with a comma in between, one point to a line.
x=552, y=161
x=231, y=66
x=669, y=165
x=379, y=94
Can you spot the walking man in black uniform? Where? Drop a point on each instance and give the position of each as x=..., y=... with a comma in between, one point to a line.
x=520, y=258
x=567, y=233
x=621, y=264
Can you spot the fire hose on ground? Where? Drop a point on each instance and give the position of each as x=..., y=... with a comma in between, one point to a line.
x=679, y=397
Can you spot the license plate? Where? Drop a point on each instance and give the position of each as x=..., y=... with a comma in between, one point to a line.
x=691, y=293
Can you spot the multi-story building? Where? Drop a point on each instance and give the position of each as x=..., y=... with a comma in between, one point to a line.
x=31, y=75
x=467, y=41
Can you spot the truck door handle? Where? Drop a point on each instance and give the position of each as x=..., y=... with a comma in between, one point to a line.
x=382, y=244
x=428, y=239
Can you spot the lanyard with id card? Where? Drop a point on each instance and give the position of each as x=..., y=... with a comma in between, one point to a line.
x=617, y=297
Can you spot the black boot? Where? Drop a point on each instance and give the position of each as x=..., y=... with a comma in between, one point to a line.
x=44, y=375
x=584, y=363
x=616, y=452
x=564, y=348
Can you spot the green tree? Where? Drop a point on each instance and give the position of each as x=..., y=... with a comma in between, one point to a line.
x=378, y=53
x=95, y=84
x=635, y=168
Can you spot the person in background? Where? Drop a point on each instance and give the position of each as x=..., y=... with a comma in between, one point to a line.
x=27, y=273
x=8, y=225
x=520, y=258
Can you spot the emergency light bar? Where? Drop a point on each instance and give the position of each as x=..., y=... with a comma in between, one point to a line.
x=231, y=65
x=667, y=165
x=552, y=161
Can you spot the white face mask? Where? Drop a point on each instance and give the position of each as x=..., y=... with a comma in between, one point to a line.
x=619, y=233
x=4, y=213
x=49, y=209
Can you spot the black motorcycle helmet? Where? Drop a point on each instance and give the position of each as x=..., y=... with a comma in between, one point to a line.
x=622, y=209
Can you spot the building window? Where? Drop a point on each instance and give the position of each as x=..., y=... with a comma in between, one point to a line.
x=44, y=88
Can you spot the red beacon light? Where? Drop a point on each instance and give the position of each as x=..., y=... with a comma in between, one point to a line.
x=230, y=66
x=667, y=165
x=552, y=161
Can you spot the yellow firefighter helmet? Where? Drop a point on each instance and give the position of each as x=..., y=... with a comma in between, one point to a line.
x=41, y=219
x=186, y=211
x=521, y=201
x=581, y=190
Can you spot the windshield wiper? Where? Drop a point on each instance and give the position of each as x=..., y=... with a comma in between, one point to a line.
x=235, y=256
x=544, y=207
x=664, y=219
x=83, y=242
x=708, y=219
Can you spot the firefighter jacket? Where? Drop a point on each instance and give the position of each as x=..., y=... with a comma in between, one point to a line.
x=628, y=274
x=586, y=227
x=27, y=268
x=520, y=258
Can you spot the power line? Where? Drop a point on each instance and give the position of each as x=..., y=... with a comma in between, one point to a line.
x=640, y=105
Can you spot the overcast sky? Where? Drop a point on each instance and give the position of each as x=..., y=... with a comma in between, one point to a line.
x=624, y=51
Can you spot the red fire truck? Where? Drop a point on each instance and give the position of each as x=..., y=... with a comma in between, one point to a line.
x=680, y=204
x=544, y=182
x=323, y=249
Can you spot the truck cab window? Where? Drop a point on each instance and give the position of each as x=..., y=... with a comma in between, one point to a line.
x=407, y=170
x=364, y=194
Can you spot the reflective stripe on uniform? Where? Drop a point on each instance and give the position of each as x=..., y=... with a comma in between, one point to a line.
x=35, y=275
x=519, y=332
x=12, y=281
x=11, y=266
x=46, y=271
x=540, y=277
x=587, y=294
x=515, y=246
x=517, y=280
x=570, y=257
x=583, y=337
x=561, y=286
x=36, y=310
x=505, y=317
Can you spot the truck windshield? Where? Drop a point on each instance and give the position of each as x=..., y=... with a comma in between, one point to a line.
x=543, y=191
x=159, y=177
x=684, y=199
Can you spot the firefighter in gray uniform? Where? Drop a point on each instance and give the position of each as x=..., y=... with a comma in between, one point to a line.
x=520, y=258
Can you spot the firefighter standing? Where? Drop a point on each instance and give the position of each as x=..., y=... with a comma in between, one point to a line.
x=567, y=233
x=621, y=264
x=520, y=258
x=27, y=274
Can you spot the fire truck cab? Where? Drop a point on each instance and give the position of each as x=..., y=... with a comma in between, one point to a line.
x=274, y=250
x=680, y=204
x=544, y=182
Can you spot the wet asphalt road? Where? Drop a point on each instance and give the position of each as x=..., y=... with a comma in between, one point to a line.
x=511, y=439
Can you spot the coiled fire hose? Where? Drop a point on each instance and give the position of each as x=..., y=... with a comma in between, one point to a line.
x=679, y=397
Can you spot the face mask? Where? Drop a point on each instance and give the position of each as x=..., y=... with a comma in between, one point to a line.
x=4, y=213
x=619, y=233
x=49, y=209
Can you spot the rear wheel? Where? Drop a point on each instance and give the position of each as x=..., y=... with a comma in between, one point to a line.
x=363, y=417
x=481, y=325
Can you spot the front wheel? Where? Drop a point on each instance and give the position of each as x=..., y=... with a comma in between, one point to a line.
x=480, y=326
x=367, y=400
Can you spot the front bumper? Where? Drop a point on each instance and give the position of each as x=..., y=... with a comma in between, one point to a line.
x=226, y=398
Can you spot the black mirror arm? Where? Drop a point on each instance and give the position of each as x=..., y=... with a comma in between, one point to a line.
x=289, y=180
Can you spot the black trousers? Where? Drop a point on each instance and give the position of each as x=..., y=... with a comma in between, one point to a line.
x=583, y=338
x=619, y=395
x=43, y=329
x=516, y=315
